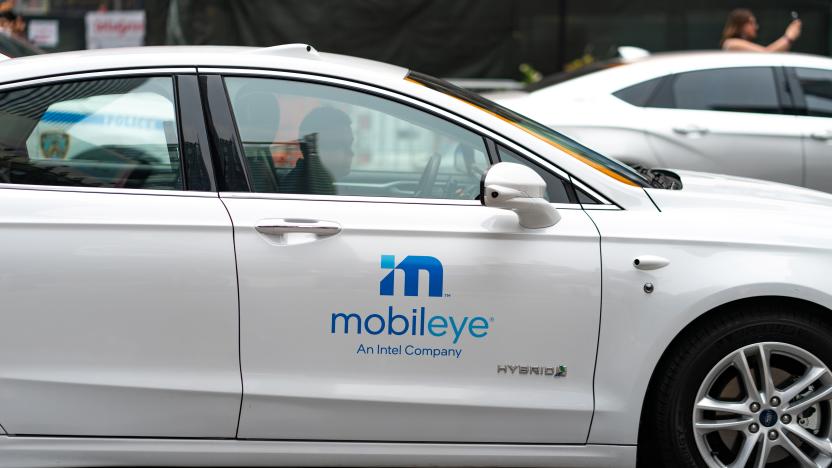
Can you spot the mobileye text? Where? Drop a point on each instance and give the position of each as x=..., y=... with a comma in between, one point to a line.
x=418, y=324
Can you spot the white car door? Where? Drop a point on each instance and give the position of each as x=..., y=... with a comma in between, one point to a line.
x=726, y=121
x=814, y=95
x=119, y=295
x=380, y=301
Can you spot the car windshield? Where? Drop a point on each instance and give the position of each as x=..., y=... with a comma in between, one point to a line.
x=610, y=167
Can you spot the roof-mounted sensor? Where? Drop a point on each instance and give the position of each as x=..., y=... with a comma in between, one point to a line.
x=304, y=51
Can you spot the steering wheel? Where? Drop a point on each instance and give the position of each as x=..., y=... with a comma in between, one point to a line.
x=424, y=189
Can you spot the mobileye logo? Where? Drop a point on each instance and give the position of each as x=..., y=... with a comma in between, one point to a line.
x=417, y=322
x=411, y=266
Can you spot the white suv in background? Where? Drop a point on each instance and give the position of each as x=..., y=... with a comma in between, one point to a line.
x=765, y=116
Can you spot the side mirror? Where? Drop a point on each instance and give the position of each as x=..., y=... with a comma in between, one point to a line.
x=518, y=188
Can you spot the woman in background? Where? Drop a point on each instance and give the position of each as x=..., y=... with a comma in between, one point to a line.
x=741, y=30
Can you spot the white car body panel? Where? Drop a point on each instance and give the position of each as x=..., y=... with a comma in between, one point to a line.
x=704, y=231
x=761, y=146
x=45, y=452
x=161, y=357
x=817, y=148
x=307, y=382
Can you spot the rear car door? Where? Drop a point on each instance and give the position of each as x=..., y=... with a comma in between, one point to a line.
x=119, y=295
x=727, y=121
x=381, y=301
x=813, y=95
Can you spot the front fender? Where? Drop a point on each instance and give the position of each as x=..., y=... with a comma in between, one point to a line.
x=637, y=327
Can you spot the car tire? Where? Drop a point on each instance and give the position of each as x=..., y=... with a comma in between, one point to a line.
x=704, y=371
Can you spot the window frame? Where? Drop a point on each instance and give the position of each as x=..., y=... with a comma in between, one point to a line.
x=801, y=106
x=194, y=148
x=185, y=135
x=490, y=138
x=568, y=187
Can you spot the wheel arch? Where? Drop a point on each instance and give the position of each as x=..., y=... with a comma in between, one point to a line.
x=731, y=307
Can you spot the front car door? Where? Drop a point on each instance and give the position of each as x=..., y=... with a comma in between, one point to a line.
x=119, y=295
x=728, y=121
x=379, y=300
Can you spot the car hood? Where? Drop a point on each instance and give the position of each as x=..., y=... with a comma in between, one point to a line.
x=701, y=189
x=736, y=212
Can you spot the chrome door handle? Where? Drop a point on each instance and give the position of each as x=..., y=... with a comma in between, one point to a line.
x=650, y=262
x=274, y=227
x=691, y=130
x=822, y=136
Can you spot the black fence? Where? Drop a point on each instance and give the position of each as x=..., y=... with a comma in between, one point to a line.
x=460, y=38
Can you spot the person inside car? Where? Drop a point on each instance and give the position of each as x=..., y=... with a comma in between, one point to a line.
x=326, y=143
x=7, y=22
x=741, y=30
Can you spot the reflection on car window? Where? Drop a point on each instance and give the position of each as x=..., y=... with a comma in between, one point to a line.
x=817, y=89
x=745, y=89
x=557, y=189
x=305, y=138
x=117, y=133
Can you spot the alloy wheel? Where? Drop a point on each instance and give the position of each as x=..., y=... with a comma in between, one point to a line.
x=765, y=404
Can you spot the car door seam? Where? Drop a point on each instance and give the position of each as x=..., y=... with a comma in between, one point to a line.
x=239, y=324
x=652, y=201
x=600, y=320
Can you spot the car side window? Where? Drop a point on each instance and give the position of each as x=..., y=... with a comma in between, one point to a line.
x=113, y=133
x=557, y=189
x=639, y=94
x=817, y=89
x=743, y=89
x=306, y=138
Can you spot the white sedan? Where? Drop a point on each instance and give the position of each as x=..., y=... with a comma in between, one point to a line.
x=259, y=257
x=766, y=116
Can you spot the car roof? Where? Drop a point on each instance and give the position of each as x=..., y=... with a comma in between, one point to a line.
x=290, y=57
x=623, y=73
x=725, y=58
